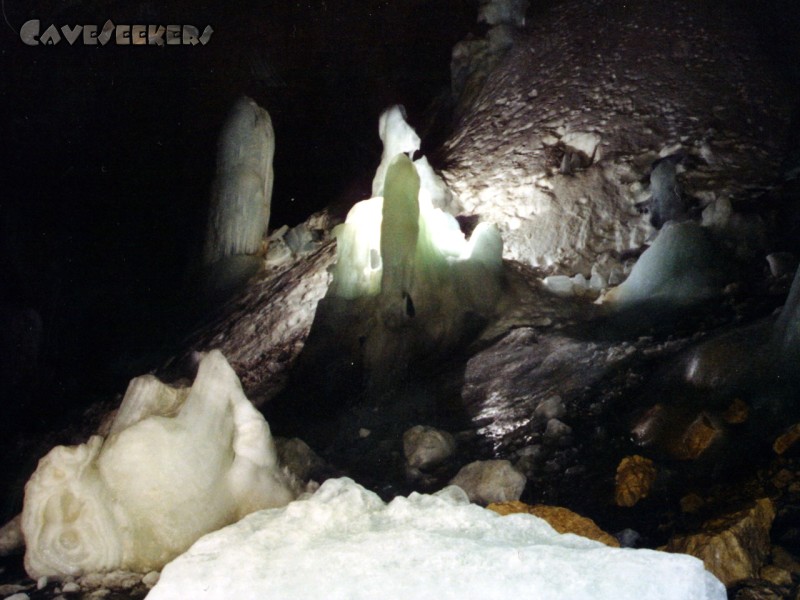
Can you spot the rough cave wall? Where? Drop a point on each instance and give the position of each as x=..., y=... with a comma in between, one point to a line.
x=639, y=80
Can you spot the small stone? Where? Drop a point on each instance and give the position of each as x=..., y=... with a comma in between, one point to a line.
x=628, y=538
x=20, y=596
x=561, y=519
x=737, y=412
x=782, y=263
x=121, y=580
x=490, y=481
x=41, y=583
x=782, y=478
x=425, y=447
x=11, y=539
x=775, y=575
x=364, y=433
x=10, y=588
x=757, y=589
x=555, y=431
x=691, y=503
x=787, y=440
x=696, y=438
x=552, y=408
x=70, y=588
x=92, y=580
x=298, y=457
x=151, y=579
x=785, y=560
x=634, y=480
x=733, y=547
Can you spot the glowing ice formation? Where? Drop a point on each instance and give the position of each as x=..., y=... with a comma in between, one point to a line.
x=345, y=543
x=358, y=251
x=402, y=245
x=142, y=496
x=397, y=137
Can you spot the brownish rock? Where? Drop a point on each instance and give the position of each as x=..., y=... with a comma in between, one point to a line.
x=733, y=547
x=782, y=478
x=695, y=439
x=787, y=439
x=736, y=413
x=561, y=519
x=691, y=503
x=785, y=560
x=776, y=575
x=678, y=430
x=635, y=477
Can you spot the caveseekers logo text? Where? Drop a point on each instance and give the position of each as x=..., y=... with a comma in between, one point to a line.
x=122, y=35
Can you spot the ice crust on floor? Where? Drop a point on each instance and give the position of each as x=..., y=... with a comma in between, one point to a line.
x=344, y=542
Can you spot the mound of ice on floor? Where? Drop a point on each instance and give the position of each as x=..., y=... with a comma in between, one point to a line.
x=683, y=266
x=344, y=542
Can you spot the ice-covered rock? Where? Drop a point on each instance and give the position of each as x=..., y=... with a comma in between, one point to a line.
x=487, y=481
x=344, y=542
x=667, y=199
x=426, y=447
x=298, y=457
x=509, y=12
x=158, y=482
x=300, y=239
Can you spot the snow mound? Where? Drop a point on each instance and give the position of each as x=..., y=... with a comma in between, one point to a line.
x=344, y=542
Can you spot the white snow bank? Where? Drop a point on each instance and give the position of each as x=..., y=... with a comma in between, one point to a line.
x=344, y=542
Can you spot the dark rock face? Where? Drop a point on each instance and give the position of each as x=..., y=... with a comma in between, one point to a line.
x=262, y=331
